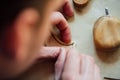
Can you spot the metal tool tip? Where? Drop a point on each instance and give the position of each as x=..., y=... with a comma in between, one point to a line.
x=106, y=11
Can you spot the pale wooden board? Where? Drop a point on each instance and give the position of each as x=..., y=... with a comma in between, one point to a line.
x=83, y=24
x=82, y=33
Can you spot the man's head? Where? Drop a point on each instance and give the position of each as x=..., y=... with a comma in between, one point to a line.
x=24, y=26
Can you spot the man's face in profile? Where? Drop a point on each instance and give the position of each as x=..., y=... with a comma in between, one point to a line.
x=23, y=39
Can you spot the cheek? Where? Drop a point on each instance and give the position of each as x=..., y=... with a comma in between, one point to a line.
x=45, y=28
x=16, y=44
x=44, y=33
x=8, y=43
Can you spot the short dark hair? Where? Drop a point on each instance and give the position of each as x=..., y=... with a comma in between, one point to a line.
x=9, y=9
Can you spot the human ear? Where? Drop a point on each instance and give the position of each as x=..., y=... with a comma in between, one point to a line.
x=16, y=44
x=18, y=37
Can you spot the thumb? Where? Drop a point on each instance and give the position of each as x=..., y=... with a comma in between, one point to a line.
x=54, y=52
x=49, y=52
x=59, y=65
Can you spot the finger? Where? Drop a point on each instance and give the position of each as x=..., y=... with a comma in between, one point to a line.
x=61, y=23
x=87, y=68
x=67, y=9
x=49, y=52
x=97, y=73
x=60, y=64
x=54, y=52
x=72, y=65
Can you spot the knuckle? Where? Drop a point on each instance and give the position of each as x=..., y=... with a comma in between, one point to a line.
x=59, y=14
x=91, y=59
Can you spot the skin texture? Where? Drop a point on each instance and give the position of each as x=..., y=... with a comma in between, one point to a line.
x=63, y=26
x=67, y=9
x=71, y=65
x=23, y=44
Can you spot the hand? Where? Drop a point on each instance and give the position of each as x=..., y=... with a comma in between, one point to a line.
x=58, y=20
x=71, y=65
x=79, y=67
